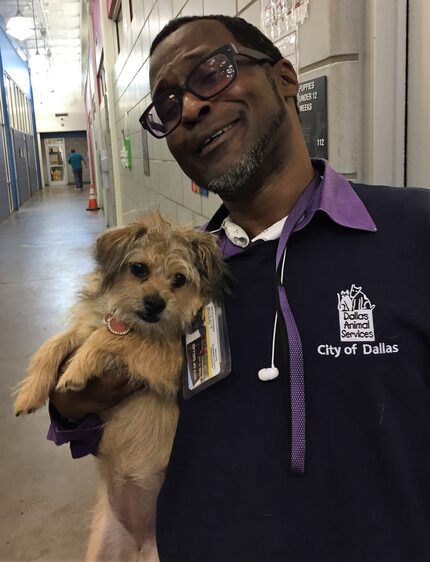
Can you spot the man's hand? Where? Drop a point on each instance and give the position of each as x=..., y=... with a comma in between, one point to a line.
x=99, y=395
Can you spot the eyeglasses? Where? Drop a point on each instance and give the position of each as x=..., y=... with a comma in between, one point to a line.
x=207, y=79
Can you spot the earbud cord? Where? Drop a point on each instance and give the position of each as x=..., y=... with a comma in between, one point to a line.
x=276, y=314
x=274, y=337
x=270, y=373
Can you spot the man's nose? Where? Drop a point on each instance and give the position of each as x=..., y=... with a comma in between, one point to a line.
x=193, y=108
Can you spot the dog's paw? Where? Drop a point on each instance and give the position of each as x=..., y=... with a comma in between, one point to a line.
x=26, y=405
x=67, y=384
x=24, y=412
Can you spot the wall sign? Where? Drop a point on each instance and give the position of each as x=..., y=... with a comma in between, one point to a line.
x=312, y=101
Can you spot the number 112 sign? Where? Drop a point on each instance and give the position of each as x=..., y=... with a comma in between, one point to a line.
x=312, y=101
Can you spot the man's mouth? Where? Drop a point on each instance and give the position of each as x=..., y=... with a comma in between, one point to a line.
x=214, y=137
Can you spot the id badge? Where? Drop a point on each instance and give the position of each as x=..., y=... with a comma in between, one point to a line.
x=207, y=352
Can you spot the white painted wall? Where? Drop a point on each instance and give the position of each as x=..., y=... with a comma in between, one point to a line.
x=62, y=95
x=383, y=71
x=48, y=123
x=418, y=150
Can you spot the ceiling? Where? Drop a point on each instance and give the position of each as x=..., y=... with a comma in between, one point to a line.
x=58, y=25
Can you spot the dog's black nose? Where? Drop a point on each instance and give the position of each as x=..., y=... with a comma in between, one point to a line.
x=154, y=304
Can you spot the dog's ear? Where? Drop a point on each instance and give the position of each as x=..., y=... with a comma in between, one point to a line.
x=209, y=262
x=112, y=247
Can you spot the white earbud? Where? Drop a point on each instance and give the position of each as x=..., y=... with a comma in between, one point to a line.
x=268, y=374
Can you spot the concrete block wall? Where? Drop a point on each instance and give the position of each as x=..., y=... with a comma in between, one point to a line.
x=107, y=180
x=167, y=187
x=328, y=45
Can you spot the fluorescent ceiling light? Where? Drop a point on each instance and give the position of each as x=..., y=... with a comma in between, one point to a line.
x=38, y=63
x=19, y=26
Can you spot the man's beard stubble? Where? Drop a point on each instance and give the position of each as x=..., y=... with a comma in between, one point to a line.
x=234, y=179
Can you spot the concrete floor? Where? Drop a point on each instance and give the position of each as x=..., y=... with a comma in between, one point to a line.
x=45, y=496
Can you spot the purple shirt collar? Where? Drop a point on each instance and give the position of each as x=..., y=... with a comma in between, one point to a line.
x=332, y=194
x=336, y=197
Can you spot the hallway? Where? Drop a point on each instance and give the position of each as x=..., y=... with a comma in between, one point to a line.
x=45, y=495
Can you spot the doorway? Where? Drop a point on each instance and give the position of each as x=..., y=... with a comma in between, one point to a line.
x=55, y=151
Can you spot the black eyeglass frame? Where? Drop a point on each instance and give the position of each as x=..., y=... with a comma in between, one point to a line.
x=230, y=51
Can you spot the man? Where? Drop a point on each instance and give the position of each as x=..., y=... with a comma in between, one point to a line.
x=315, y=447
x=75, y=160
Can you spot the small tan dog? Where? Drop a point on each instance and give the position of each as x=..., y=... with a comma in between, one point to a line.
x=150, y=284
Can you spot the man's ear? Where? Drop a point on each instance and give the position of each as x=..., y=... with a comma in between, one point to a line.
x=286, y=78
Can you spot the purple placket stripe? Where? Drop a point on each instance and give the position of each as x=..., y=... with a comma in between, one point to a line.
x=297, y=377
x=297, y=388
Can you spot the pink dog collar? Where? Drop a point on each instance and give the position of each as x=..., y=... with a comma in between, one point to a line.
x=115, y=326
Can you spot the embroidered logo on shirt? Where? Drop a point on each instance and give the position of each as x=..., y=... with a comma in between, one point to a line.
x=356, y=325
x=355, y=315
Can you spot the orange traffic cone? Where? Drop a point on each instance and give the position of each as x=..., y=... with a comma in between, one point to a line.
x=92, y=203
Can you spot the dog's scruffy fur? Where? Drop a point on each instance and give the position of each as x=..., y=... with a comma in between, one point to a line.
x=154, y=278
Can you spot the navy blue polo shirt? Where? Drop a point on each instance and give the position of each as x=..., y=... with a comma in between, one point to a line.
x=360, y=298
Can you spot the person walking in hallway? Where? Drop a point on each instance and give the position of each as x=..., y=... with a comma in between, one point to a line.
x=75, y=160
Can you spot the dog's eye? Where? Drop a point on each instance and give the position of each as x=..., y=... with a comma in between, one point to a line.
x=178, y=280
x=139, y=270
